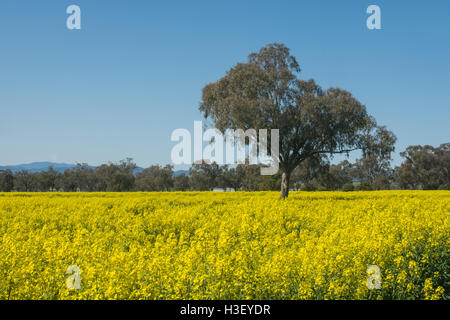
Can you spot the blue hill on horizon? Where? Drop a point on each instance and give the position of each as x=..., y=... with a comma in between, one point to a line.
x=38, y=167
x=60, y=167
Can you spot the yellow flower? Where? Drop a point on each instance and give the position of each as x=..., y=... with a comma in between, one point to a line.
x=230, y=245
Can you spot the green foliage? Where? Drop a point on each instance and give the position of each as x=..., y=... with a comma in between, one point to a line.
x=308, y=187
x=425, y=167
x=155, y=178
x=266, y=93
x=181, y=182
x=348, y=187
x=6, y=181
x=364, y=186
x=204, y=176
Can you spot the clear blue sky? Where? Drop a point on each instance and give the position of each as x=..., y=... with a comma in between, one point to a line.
x=119, y=86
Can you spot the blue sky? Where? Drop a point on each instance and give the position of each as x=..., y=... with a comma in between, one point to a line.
x=118, y=87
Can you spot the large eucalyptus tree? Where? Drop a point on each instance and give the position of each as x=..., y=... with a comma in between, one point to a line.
x=266, y=93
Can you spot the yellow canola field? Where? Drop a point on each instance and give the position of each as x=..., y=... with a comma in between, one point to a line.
x=225, y=245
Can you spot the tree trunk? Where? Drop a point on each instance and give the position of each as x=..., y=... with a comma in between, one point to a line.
x=285, y=185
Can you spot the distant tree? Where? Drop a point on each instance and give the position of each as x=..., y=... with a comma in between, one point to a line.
x=307, y=172
x=93, y=181
x=374, y=167
x=309, y=187
x=67, y=181
x=336, y=176
x=205, y=176
x=88, y=179
x=116, y=177
x=265, y=93
x=364, y=186
x=155, y=178
x=181, y=182
x=348, y=187
x=104, y=174
x=425, y=167
x=6, y=181
x=48, y=180
x=232, y=178
x=219, y=180
x=270, y=182
x=250, y=176
x=25, y=181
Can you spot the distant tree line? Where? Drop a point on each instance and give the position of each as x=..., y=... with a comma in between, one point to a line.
x=424, y=167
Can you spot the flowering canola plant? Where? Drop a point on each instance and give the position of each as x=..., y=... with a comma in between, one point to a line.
x=225, y=245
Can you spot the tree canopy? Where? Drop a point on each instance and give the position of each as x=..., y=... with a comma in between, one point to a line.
x=266, y=93
x=425, y=167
